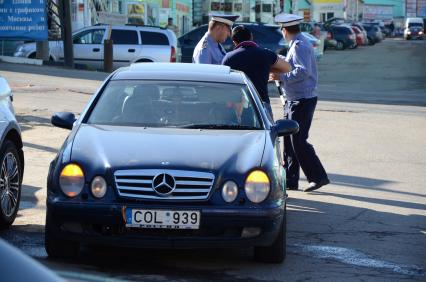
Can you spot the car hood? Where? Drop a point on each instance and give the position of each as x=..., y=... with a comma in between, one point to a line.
x=121, y=147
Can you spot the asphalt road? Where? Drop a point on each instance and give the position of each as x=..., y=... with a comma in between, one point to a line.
x=368, y=225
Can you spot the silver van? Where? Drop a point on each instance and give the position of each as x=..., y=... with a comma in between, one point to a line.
x=11, y=158
x=132, y=44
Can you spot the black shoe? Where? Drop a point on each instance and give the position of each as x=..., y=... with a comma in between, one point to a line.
x=316, y=185
x=292, y=188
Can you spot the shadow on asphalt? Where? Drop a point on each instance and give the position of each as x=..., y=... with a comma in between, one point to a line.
x=28, y=197
x=367, y=183
x=310, y=223
x=40, y=147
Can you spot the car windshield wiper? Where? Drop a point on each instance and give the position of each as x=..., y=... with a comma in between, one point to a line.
x=217, y=126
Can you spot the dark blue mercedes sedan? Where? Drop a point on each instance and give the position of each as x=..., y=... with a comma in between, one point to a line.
x=170, y=156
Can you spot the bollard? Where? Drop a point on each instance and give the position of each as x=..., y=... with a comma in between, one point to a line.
x=108, y=55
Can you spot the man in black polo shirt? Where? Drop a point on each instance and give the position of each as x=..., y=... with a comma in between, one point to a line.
x=254, y=61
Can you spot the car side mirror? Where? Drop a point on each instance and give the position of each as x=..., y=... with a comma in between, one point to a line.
x=63, y=120
x=285, y=127
x=4, y=88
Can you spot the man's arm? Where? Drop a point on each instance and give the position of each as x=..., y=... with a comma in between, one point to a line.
x=281, y=66
x=203, y=57
x=302, y=63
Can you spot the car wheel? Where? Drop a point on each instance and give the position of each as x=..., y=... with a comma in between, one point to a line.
x=340, y=45
x=276, y=252
x=10, y=183
x=371, y=41
x=55, y=246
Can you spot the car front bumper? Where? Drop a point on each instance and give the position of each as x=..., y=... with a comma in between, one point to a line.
x=104, y=224
x=20, y=54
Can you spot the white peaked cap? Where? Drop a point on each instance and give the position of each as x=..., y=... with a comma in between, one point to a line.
x=226, y=19
x=288, y=19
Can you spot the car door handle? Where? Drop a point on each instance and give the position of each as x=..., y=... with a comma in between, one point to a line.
x=96, y=49
x=131, y=50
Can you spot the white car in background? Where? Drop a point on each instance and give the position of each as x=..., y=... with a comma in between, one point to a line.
x=132, y=44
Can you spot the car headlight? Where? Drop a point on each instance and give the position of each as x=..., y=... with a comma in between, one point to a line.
x=71, y=180
x=98, y=187
x=257, y=186
x=229, y=191
x=420, y=32
x=408, y=32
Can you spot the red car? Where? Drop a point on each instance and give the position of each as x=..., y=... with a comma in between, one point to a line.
x=360, y=40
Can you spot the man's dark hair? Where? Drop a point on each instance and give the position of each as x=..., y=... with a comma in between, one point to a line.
x=293, y=28
x=240, y=33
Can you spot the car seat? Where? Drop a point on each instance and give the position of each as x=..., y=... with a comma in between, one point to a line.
x=221, y=114
x=138, y=108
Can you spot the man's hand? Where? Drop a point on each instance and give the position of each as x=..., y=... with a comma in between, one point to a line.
x=274, y=76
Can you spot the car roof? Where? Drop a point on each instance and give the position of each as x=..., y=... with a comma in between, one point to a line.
x=180, y=71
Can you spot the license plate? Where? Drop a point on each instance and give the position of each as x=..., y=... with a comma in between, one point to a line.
x=162, y=219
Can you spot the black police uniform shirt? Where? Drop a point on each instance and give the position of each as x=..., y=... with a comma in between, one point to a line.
x=255, y=62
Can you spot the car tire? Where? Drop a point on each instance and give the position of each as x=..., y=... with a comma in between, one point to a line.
x=371, y=42
x=340, y=45
x=276, y=252
x=55, y=246
x=11, y=185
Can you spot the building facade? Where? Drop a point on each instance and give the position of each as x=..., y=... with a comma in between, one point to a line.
x=143, y=12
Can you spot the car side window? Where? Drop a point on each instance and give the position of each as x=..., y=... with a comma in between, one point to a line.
x=124, y=37
x=93, y=36
x=195, y=36
x=153, y=38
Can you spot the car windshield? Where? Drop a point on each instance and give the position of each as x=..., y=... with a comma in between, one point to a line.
x=415, y=25
x=176, y=104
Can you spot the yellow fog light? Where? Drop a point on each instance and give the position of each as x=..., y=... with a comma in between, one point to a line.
x=257, y=186
x=71, y=180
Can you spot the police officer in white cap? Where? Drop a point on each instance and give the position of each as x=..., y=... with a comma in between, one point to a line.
x=209, y=49
x=300, y=86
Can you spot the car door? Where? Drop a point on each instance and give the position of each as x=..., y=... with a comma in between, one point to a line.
x=88, y=47
x=155, y=47
x=189, y=41
x=126, y=46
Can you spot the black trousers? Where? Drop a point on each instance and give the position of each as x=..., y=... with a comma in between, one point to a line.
x=298, y=153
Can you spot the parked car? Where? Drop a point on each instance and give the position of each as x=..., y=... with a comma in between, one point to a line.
x=317, y=45
x=317, y=31
x=17, y=266
x=373, y=33
x=344, y=36
x=329, y=41
x=131, y=44
x=267, y=36
x=181, y=155
x=360, y=41
x=11, y=158
x=364, y=32
x=414, y=28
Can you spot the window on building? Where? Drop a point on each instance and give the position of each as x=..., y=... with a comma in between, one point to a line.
x=215, y=6
x=93, y=36
x=154, y=38
x=124, y=37
x=266, y=8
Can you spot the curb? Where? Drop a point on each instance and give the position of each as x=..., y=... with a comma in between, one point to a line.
x=17, y=60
